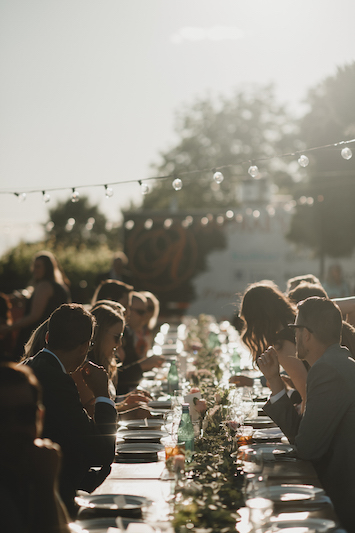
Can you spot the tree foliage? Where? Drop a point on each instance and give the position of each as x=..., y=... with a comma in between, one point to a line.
x=80, y=223
x=328, y=226
x=217, y=133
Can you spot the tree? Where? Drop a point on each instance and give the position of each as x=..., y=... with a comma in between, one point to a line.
x=329, y=225
x=80, y=224
x=223, y=132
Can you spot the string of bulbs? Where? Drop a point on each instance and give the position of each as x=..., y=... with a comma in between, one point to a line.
x=253, y=171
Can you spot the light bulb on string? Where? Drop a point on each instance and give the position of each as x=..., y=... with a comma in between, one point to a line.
x=253, y=171
x=46, y=197
x=21, y=196
x=303, y=160
x=177, y=184
x=346, y=153
x=108, y=192
x=218, y=177
x=75, y=197
x=144, y=187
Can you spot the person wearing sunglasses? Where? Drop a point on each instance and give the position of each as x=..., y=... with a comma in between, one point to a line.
x=134, y=365
x=324, y=434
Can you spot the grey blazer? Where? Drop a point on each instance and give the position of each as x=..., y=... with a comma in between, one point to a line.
x=325, y=434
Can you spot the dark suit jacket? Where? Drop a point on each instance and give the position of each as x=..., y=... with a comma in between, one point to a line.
x=85, y=442
x=325, y=434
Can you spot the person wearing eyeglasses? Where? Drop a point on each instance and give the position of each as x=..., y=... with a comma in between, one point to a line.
x=325, y=433
x=85, y=442
x=134, y=365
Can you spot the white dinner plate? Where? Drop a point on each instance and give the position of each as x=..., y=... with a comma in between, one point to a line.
x=319, y=525
x=160, y=404
x=138, y=435
x=260, y=422
x=275, y=448
x=113, y=502
x=148, y=423
x=101, y=525
x=268, y=433
x=138, y=448
x=291, y=493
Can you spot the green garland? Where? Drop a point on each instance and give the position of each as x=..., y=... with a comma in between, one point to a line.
x=210, y=493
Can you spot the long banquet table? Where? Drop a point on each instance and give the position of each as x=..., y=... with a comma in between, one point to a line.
x=145, y=479
x=149, y=480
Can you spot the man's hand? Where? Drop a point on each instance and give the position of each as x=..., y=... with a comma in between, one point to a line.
x=96, y=379
x=269, y=365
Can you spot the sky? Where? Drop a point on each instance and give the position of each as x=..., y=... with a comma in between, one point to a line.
x=89, y=88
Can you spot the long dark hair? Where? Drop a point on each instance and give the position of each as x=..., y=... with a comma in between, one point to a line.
x=265, y=310
x=106, y=316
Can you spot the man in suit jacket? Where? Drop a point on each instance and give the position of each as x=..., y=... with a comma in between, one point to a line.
x=85, y=442
x=325, y=434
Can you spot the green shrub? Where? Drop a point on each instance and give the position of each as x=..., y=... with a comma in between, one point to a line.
x=82, y=266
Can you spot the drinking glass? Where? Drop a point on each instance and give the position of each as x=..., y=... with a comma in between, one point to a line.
x=260, y=512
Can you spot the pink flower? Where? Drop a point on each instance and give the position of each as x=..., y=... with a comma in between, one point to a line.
x=201, y=406
x=193, y=390
x=233, y=424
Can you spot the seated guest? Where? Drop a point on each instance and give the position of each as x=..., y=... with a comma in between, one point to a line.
x=264, y=316
x=29, y=466
x=325, y=433
x=117, y=291
x=133, y=367
x=146, y=333
x=292, y=283
x=85, y=442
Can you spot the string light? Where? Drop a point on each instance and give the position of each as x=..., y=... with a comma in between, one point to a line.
x=46, y=197
x=145, y=189
x=303, y=161
x=75, y=197
x=177, y=184
x=21, y=196
x=253, y=171
x=108, y=191
x=346, y=153
x=218, y=177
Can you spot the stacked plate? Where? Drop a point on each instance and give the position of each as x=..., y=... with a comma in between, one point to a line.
x=305, y=525
x=144, y=425
x=261, y=422
x=110, y=505
x=101, y=525
x=268, y=434
x=137, y=452
x=160, y=404
x=139, y=436
x=270, y=451
x=291, y=493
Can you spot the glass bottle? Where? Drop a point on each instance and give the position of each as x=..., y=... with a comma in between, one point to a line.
x=173, y=378
x=186, y=431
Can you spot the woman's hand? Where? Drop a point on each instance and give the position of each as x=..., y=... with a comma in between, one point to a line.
x=269, y=365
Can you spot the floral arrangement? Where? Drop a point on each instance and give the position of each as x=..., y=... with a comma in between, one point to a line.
x=210, y=493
